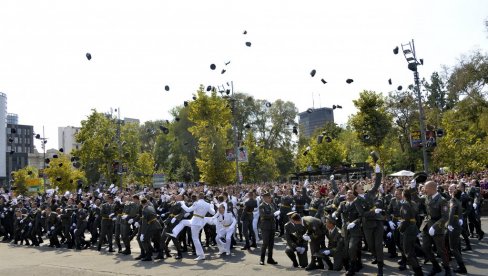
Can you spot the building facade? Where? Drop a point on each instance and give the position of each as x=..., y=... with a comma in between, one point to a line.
x=3, y=138
x=12, y=119
x=67, y=138
x=20, y=143
x=316, y=119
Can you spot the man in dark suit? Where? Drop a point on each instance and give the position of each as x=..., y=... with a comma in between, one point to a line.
x=268, y=227
x=335, y=248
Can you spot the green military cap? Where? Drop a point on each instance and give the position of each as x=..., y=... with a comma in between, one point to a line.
x=291, y=213
x=266, y=194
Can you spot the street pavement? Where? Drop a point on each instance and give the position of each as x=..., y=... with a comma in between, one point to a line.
x=25, y=261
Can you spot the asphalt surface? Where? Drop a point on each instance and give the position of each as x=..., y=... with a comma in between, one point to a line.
x=43, y=260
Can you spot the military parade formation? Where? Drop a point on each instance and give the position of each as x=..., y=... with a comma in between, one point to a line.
x=325, y=224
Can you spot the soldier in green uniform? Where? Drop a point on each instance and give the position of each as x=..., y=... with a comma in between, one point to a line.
x=393, y=213
x=107, y=225
x=81, y=222
x=129, y=214
x=433, y=228
x=335, y=248
x=53, y=225
x=175, y=215
x=150, y=231
x=268, y=227
x=316, y=235
x=454, y=227
x=408, y=231
x=317, y=204
x=294, y=231
x=285, y=207
x=373, y=215
x=118, y=209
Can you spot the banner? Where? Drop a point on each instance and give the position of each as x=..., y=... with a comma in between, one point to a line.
x=158, y=180
x=416, y=139
x=241, y=156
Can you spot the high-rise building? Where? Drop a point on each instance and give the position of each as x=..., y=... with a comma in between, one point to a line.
x=314, y=119
x=20, y=143
x=12, y=119
x=3, y=138
x=67, y=139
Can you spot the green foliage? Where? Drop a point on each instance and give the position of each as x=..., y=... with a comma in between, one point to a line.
x=144, y=168
x=62, y=174
x=22, y=177
x=331, y=153
x=261, y=166
x=211, y=117
x=372, y=118
x=101, y=147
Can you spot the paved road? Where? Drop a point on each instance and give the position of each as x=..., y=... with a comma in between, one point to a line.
x=22, y=260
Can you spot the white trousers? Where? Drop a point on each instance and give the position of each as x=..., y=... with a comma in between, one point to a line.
x=225, y=232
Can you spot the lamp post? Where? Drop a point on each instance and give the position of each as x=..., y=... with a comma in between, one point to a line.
x=411, y=57
x=43, y=140
x=234, y=127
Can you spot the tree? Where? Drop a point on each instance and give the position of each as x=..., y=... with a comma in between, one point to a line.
x=261, y=166
x=211, y=116
x=144, y=169
x=470, y=77
x=22, y=177
x=437, y=93
x=102, y=151
x=62, y=174
x=372, y=122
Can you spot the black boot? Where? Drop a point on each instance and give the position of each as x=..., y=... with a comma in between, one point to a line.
x=447, y=270
x=461, y=269
x=99, y=248
x=120, y=248
x=418, y=271
x=435, y=269
x=178, y=255
x=352, y=269
x=380, y=268
x=329, y=264
x=126, y=251
x=160, y=256
x=110, y=249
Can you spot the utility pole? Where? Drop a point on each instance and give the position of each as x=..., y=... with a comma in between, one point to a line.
x=411, y=57
x=119, y=143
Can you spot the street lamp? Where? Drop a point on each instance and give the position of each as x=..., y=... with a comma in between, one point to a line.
x=43, y=140
x=230, y=94
x=411, y=57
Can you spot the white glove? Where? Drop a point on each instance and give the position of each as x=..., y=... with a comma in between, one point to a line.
x=277, y=213
x=377, y=210
x=114, y=219
x=306, y=237
x=413, y=184
x=326, y=252
x=124, y=216
x=74, y=225
x=30, y=224
x=300, y=250
x=331, y=177
x=419, y=235
x=431, y=231
x=389, y=235
x=377, y=169
x=141, y=238
x=131, y=221
x=2, y=215
x=334, y=215
x=186, y=215
x=460, y=222
x=173, y=220
x=48, y=233
x=75, y=230
x=392, y=225
x=111, y=215
x=450, y=228
x=52, y=227
x=385, y=227
x=399, y=223
x=136, y=224
x=475, y=205
x=351, y=226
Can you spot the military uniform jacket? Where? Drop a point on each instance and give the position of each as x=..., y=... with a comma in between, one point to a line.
x=106, y=210
x=351, y=212
x=53, y=220
x=315, y=228
x=394, y=209
x=336, y=241
x=150, y=221
x=266, y=214
x=408, y=214
x=175, y=211
x=437, y=214
x=249, y=206
x=369, y=203
x=81, y=216
x=317, y=207
x=285, y=205
x=132, y=211
x=455, y=213
x=294, y=235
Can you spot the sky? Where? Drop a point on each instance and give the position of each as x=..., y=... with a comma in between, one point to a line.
x=138, y=47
